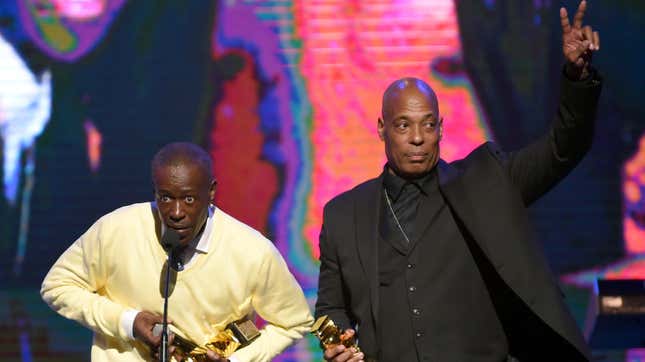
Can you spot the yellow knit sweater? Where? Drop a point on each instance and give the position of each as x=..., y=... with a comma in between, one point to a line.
x=117, y=265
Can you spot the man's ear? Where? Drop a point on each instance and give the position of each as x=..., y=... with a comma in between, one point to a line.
x=380, y=128
x=211, y=191
x=440, y=128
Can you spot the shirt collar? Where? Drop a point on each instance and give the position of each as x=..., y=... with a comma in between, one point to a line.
x=394, y=184
x=204, y=242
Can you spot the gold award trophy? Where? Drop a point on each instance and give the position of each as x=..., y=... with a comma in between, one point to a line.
x=330, y=335
x=236, y=335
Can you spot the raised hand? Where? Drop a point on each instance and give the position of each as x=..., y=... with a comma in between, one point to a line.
x=578, y=42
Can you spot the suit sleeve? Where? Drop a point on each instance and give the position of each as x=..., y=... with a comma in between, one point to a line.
x=332, y=300
x=279, y=300
x=73, y=284
x=536, y=168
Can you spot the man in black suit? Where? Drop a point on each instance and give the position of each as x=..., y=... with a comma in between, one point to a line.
x=436, y=261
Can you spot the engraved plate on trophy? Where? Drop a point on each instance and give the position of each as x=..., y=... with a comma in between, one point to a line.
x=244, y=330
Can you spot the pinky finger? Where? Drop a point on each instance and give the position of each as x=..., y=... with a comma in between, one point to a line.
x=596, y=40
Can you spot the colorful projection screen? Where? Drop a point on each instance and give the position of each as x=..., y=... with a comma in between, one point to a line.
x=285, y=95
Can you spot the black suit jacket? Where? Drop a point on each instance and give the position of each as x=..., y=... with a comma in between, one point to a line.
x=487, y=192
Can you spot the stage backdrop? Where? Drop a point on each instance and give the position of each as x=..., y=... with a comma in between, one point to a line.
x=285, y=95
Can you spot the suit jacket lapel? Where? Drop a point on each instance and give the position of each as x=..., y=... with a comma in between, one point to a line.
x=367, y=212
x=447, y=176
x=506, y=261
x=453, y=190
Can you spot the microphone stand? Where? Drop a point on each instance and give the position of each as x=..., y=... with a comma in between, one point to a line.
x=164, y=330
x=170, y=242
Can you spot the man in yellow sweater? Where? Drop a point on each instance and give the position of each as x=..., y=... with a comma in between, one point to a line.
x=110, y=279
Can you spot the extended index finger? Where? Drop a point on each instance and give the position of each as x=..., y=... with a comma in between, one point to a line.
x=564, y=21
x=580, y=14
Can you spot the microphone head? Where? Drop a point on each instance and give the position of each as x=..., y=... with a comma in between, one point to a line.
x=170, y=239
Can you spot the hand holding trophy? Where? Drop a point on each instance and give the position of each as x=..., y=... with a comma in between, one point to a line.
x=331, y=337
x=237, y=334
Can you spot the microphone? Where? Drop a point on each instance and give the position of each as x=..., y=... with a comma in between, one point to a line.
x=170, y=239
x=170, y=243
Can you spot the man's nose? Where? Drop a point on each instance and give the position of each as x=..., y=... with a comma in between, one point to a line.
x=177, y=211
x=416, y=135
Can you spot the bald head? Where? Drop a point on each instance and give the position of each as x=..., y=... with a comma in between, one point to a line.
x=403, y=88
x=411, y=127
x=183, y=154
